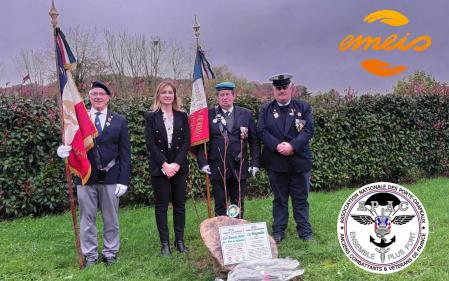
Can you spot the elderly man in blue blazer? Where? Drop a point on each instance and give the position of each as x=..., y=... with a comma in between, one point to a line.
x=231, y=129
x=110, y=161
x=285, y=128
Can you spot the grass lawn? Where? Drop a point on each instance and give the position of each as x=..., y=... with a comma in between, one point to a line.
x=43, y=249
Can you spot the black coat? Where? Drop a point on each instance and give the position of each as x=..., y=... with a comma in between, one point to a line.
x=215, y=149
x=157, y=142
x=272, y=131
x=112, y=143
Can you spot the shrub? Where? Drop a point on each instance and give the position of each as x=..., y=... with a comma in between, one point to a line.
x=357, y=140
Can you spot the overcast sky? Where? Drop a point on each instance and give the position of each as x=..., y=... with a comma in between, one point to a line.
x=254, y=38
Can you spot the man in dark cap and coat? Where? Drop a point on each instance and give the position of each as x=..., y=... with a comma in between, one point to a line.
x=231, y=129
x=285, y=128
x=110, y=161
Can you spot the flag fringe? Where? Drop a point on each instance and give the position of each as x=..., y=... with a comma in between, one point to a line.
x=78, y=174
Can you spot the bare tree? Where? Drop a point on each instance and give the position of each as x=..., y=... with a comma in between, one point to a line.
x=87, y=51
x=157, y=48
x=1, y=70
x=116, y=54
x=151, y=52
x=177, y=60
x=135, y=47
x=34, y=63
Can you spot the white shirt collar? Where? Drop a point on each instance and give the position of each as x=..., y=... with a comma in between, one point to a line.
x=104, y=111
x=229, y=110
x=285, y=104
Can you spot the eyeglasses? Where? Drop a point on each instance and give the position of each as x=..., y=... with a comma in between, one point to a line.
x=97, y=94
x=281, y=87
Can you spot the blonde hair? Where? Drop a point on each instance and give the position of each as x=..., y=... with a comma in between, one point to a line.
x=177, y=104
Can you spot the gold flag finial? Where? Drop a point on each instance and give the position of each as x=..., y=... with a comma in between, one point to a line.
x=196, y=30
x=53, y=14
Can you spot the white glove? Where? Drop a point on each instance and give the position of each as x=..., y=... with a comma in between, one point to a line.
x=63, y=151
x=255, y=170
x=206, y=169
x=120, y=190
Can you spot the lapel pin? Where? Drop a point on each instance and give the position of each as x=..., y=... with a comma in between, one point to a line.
x=292, y=112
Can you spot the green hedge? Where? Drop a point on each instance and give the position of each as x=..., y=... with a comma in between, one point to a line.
x=357, y=141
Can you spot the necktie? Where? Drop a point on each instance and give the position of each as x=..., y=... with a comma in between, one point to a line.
x=98, y=123
x=229, y=123
x=283, y=112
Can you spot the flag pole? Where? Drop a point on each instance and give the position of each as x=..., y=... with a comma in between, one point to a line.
x=196, y=29
x=54, y=21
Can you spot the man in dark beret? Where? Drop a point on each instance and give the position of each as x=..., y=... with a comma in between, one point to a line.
x=285, y=128
x=110, y=161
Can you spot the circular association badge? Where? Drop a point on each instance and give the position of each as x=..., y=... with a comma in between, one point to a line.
x=382, y=227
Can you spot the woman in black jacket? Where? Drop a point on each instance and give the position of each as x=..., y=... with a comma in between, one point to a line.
x=167, y=136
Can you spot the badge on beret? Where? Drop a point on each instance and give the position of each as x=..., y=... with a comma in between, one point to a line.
x=281, y=80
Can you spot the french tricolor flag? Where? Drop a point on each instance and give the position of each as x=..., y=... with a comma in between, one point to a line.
x=78, y=128
x=198, y=118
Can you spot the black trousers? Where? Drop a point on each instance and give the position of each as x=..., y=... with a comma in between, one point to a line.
x=164, y=187
x=232, y=188
x=294, y=185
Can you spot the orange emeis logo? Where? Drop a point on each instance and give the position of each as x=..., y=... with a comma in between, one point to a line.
x=392, y=42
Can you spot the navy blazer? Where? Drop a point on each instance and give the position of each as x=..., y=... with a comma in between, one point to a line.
x=242, y=118
x=157, y=142
x=112, y=143
x=271, y=132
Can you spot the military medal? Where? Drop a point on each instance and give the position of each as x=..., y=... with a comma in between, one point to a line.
x=243, y=133
x=299, y=124
x=299, y=114
x=292, y=112
x=233, y=211
x=109, y=121
x=275, y=114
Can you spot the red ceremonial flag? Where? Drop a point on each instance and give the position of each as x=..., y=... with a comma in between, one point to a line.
x=79, y=130
x=199, y=118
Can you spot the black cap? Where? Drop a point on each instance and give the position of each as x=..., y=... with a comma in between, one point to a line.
x=281, y=80
x=99, y=84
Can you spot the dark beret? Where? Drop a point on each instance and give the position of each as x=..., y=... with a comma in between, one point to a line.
x=99, y=84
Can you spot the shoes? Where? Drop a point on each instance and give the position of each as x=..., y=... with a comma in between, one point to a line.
x=307, y=238
x=181, y=247
x=165, y=249
x=109, y=260
x=89, y=262
x=278, y=238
